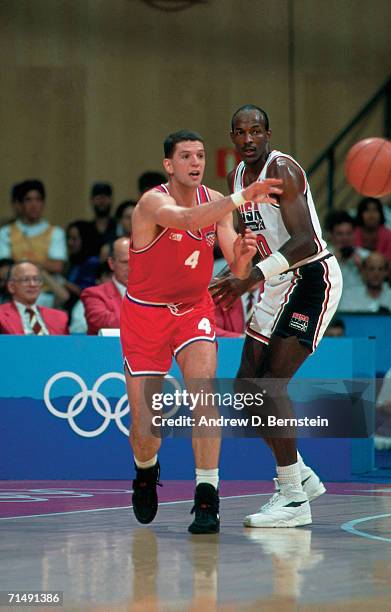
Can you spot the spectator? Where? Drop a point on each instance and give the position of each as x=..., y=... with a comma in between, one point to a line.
x=231, y=322
x=22, y=316
x=336, y=328
x=82, y=265
x=5, y=267
x=340, y=226
x=148, y=180
x=370, y=231
x=102, y=304
x=78, y=323
x=372, y=296
x=31, y=236
x=123, y=216
x=103, y=226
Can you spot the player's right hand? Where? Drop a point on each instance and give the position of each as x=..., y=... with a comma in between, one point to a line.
x=256, y=191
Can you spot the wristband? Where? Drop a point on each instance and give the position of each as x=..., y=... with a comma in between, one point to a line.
x=238, y=199
x=273, y=265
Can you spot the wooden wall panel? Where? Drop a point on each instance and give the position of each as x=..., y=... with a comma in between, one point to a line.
x=91, y=87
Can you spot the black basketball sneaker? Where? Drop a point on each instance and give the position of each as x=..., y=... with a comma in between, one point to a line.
x=206, y=510
x=144, y=498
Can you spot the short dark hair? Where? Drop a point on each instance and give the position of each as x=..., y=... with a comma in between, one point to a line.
x=337, y=217
x=173, y=139
x=29, y=185
x=362, y=207
x=101, y=189
x=15, y=192
x=123, y=206
x=250, y=107
x=149, y=180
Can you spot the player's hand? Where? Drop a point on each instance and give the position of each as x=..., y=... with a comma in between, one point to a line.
x=226, y=290
x=245, y=248
x=256, y=191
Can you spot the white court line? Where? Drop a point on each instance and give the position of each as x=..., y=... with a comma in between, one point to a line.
x=350, y=527
x=182, y=501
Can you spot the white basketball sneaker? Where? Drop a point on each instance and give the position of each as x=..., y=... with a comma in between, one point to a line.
x=311, y=483
x=289, y=507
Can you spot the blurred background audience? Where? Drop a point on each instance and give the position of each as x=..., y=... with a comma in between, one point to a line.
x=374, y=293
x=31, y=237
x=370, y=232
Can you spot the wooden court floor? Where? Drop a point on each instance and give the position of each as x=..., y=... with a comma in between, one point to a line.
x=81, y=538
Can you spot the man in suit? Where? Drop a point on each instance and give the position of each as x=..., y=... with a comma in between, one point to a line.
x=102, y=304
x=22, y=316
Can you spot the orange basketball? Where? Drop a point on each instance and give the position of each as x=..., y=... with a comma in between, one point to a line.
x=368, y=167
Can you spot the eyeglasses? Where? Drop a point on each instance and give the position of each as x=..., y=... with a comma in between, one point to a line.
x=28, y=280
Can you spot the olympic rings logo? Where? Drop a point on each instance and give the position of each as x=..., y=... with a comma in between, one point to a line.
x=99, y=402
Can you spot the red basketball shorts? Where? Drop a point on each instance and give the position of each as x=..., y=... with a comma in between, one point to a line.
x=151, y=335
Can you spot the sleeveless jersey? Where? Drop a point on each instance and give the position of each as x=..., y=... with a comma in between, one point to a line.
x=265, y=219
x=176, y=267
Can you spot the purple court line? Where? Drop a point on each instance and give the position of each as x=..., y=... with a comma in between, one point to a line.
x=26, y=498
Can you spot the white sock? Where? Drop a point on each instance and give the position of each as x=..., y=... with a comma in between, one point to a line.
x=289, y=474
x=209, y=476
x=144, y=465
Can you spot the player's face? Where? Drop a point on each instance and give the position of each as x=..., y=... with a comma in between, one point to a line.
x=187, y=164
x=250, y=137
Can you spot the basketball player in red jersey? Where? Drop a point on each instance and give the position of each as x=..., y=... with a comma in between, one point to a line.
x=167, y=310
x=303, y=286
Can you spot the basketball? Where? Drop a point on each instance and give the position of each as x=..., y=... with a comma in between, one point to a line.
x=368, y=167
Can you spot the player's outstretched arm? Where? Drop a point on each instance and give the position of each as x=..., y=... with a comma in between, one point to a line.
x=162, y=210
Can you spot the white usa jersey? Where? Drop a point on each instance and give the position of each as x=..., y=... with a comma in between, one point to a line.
x=265, y=219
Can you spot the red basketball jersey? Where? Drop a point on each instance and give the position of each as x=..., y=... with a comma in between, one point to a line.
x=176, y=267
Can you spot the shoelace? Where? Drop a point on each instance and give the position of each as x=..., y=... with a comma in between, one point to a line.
x=272, y=501
x=145, y=483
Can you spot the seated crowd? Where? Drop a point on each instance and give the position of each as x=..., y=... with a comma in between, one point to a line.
x=82, y=270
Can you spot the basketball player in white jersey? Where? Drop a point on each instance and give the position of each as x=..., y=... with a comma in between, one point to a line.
x=303, y=286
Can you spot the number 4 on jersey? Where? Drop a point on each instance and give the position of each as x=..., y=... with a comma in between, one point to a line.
x=205, y=325
x=192, y=260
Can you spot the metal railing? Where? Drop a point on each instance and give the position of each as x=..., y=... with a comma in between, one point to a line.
x=333, y=155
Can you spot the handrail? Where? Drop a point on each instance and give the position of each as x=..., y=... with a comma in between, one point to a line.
x=385, y=90
x=329, y=155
